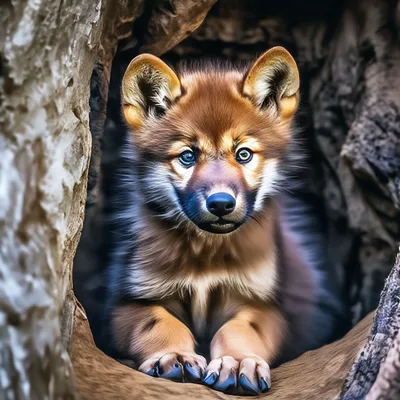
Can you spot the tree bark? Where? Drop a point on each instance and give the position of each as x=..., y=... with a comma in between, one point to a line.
x=48, y=52
x=376, y=372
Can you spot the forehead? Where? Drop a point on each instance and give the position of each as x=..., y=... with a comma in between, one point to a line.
x=213, y=108
x=213, y=115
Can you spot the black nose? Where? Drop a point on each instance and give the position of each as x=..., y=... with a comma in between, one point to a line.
x=220, y=204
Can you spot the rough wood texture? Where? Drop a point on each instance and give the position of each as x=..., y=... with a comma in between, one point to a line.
x=48, y=51
x=171, y=21
x=376, y=371
x=314, y=376
x=356, y=118
x=387, y=384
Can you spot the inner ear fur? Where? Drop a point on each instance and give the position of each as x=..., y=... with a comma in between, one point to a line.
x=273, y=82
x=149, y=86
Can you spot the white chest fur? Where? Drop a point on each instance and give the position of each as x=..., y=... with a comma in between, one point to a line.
x=255, y=283
x=252, y=282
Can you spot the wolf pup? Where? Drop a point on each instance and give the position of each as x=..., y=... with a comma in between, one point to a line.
x=203, y=261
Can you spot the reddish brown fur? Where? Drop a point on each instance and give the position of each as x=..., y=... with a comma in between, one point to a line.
x=212, y=106
x=170, y=336
x=246, y=335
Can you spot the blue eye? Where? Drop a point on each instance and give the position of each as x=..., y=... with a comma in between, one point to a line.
x=187, y=158
x=244, y=156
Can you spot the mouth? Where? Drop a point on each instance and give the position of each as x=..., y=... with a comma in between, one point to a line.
x=219, y=226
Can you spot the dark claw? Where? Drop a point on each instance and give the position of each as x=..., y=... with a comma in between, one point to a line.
x=264, y=386
x=210, y=379
x=246, y=384
x=157, y=369
x=152, y=372
x=231, y=381
x=194, y=374
x=175, y=373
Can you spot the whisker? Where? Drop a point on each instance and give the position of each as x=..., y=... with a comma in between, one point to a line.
x=255, y=219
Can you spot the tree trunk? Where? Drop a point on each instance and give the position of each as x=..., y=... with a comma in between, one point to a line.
x=48, y=51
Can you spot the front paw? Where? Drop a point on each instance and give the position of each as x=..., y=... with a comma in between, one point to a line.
x=181, y=367
x=250, y=375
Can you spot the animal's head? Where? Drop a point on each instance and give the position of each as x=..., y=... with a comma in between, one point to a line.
x=211, y=139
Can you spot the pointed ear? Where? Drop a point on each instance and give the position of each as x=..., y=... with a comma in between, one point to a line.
x=149, y=86
x=273, y=82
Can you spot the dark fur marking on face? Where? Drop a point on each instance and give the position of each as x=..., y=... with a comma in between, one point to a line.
x=189, y=202
x=256, y=327
x=149, y=325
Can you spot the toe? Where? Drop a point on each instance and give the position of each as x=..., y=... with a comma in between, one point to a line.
x=247, y=385
x=212, y=371
x=248, y=376
x=226, y=370
x=169, y=367
x=264, y=376
x=150, y=367
x=227, y=383
x=210, y=378
x=193, y=371
x=264, y=385
x=195, y=367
